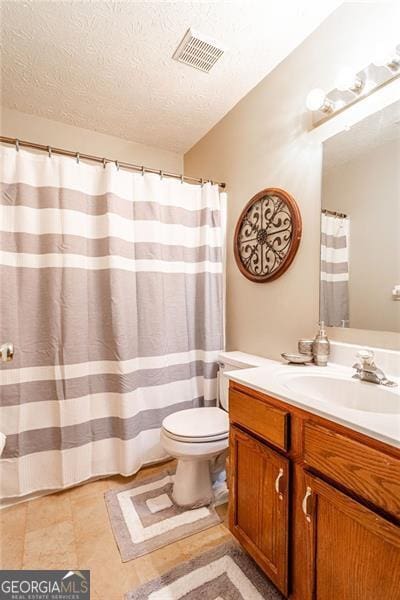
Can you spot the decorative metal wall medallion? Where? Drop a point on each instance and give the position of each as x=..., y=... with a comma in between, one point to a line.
x=267, y=235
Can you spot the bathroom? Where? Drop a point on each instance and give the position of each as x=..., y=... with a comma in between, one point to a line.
x=199, y=300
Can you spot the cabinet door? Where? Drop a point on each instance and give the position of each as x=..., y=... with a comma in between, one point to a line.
x=355, y=553
x=258, y=509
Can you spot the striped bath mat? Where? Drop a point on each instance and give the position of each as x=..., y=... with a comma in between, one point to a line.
x=225, y=572
x=144, y=518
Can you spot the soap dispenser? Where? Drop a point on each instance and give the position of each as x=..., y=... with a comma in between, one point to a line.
x=320, y=347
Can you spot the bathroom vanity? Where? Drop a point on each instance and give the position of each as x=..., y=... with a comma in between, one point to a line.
x=314, y=463
x=314, y=501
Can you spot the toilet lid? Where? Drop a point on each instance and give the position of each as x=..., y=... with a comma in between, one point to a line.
x=198, y=423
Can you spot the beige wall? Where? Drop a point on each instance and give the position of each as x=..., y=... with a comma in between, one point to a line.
x=263, y=142
x=367, y=189
x=53, y=133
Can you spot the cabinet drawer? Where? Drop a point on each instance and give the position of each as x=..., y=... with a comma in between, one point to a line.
x=370, y=473
x=257, y=416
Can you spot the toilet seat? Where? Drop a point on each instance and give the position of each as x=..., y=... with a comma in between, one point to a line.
x=195, y=440
x=197, y=425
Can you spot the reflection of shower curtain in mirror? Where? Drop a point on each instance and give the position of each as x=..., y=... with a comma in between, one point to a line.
x=334, y=292
x=112, y=293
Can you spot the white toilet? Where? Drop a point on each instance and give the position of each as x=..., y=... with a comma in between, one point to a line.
x=199, y=439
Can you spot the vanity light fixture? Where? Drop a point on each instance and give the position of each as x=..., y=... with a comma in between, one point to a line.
x=361, y=84
x=317, y=100
x=347, y=80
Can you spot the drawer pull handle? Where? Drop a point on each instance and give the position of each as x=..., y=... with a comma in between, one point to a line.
x=278, y=484
x=305, y=504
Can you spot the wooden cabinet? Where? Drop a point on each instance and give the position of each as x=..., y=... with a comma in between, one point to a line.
x=355, y=553
x=340, y=540
x=259, y=488
x=372, y=474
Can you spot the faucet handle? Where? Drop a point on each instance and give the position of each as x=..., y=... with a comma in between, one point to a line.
x=366, y=357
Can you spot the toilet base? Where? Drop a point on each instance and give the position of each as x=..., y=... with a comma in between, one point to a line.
x=199, y=466
x=193, y=486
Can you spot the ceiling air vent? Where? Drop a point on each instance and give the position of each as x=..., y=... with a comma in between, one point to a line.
x=198, y=51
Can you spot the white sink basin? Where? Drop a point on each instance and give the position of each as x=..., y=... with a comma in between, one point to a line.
x=346, y=392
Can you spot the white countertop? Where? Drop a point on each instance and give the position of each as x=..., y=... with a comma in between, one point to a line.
x=381, y=426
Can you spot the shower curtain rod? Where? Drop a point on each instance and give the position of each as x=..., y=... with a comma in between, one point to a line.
x=334, y=213
x=124, y=165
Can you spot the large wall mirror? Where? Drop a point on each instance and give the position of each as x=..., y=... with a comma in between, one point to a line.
x=360, y=225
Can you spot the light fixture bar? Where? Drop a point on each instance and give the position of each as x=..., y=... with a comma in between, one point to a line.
x=354, y=101
x=351, y=87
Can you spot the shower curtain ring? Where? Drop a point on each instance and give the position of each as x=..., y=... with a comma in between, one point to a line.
x=104, y=163
x=77, y=158
x=117, y=165
x=17, y=145
x=142, y=171
x=202, y=182
x=161, y=175
x=182, y=178
x=49, y=151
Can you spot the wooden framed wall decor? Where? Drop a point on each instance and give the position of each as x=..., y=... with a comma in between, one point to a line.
x=267, y=235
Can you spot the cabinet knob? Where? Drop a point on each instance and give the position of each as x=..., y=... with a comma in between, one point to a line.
x=278, y=484
x=306, y=504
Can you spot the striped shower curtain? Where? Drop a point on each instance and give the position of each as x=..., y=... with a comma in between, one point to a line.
x=112, y=293
x=334, y=285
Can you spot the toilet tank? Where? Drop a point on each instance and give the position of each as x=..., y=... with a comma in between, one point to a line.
x=231, y=361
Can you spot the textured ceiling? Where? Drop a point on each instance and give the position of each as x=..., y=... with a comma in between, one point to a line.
x=107, y=66
x=377, y=129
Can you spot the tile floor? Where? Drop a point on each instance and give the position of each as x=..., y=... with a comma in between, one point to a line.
x=71, y=530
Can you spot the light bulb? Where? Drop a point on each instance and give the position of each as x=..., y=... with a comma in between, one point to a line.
x=386, y=58
x=394, y=61
x=339, y=104
x=317, y=100
x=380, y=55
x=347, y=80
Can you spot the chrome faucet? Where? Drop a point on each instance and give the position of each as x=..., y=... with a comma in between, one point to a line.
x=366, y=370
